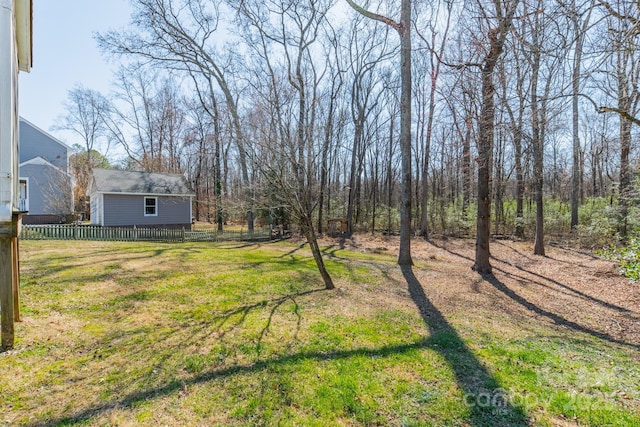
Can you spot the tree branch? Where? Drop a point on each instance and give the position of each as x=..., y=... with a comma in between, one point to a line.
x=375, y=16
x=604, y=109
x=618, y=15
x=459, y=66
x=624, y=114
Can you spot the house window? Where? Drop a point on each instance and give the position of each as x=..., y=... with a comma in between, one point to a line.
x=150, y=206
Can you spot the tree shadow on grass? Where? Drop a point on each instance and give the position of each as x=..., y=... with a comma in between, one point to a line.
x=554, y=317
x=176, y=385
x=383, y=267
x=219, y=324
x=293, y=251
x=570, y=291
x=573, y=252
x=488, y=403
x=555, y=282
x=231, y=319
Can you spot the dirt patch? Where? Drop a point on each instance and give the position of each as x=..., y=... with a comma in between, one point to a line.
x=568, y=287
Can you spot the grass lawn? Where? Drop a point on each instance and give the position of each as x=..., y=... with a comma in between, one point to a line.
x=245, y=335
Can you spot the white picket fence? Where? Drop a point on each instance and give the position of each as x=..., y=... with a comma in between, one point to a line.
x=84, y=232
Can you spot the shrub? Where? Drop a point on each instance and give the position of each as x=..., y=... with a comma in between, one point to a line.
x=627, y=256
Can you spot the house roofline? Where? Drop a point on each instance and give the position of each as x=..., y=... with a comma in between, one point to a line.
x=40, y=161
x=124, y=193
x=69, y=149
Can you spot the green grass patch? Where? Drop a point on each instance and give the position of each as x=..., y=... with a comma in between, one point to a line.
x=236, y=335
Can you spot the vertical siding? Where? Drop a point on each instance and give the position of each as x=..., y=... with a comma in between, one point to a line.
x=127, y=210
x=8, y=116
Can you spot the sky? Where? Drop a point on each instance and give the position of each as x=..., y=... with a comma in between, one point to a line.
x=65, y=53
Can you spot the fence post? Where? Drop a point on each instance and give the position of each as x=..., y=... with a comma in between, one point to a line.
x=182, y=234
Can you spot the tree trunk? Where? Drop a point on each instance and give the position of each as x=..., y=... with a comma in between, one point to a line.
x=575, y=86
x=485, y=154
x=324, y=158
x=538, y=153
x=519, y=183
x=217, y=166
x=307, y=225
x=375, y=188
x=497, y=37
x=538, y=248
x=625, y=178
x=466, y=167
x=352, y=181
x=404, y=30
x=390, y=176
x=404, y=255
x=624, y=104
x=517, y=127
x=498, y=186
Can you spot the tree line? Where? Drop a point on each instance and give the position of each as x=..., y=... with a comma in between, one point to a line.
x=287, y=110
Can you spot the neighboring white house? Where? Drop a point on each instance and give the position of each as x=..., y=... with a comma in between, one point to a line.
x=142, y=199
x=45, y=191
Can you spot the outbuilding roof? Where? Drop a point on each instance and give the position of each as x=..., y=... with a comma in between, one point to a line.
x=134, y=182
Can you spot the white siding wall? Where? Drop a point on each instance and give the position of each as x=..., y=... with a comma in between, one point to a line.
x=96, y=209
x=8, y=113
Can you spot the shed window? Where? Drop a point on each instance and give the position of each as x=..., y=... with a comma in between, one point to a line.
x=150, y=206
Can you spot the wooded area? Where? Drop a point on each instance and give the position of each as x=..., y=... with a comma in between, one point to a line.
x=279, y=111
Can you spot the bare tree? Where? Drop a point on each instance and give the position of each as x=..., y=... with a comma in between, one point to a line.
x=627, y=78
x=497, y=36
x=368, y=50
x=85, y=109
x=516, y=115
x=287, y=133
x=332, y=121
x=81, y=165
x=181, y=34
x=535, y=29
x=403, y=27
x=436, y=49
x=57, y=193
x=580, y=20
x=622, y=71
x=147, y=118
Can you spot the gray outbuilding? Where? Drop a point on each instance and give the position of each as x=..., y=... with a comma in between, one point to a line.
x=142, y=199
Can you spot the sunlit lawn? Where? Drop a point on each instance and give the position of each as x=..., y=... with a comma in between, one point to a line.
x=234, y=334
